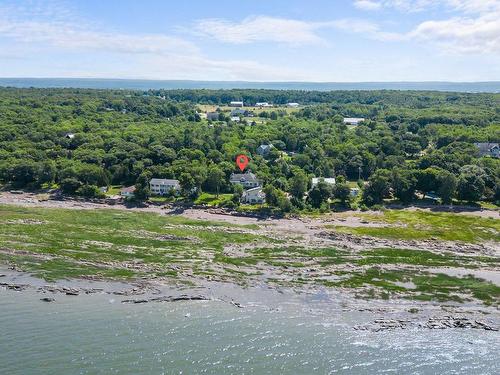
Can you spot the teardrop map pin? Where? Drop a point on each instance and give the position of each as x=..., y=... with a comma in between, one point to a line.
x=242, y=162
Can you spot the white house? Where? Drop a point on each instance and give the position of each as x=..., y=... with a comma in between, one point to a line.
x=488, y=149
x=263, y=105
x=236, y=104
x=247, y=180
x=163, y=186
x=353, y=120
x=69, y=135
x=329, y=181
x=292, y=105
x=127, y=192
x=253, y=196
x=263, y=150
x=235, y=119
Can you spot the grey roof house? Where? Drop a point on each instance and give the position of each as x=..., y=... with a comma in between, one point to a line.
x=213, y=116
x=263, y=150
x=488, y=149
x=247, y=180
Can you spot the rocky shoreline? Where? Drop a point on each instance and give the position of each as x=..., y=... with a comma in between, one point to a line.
x=386, y=315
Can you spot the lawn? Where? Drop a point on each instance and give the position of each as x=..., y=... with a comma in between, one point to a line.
x=423, y=225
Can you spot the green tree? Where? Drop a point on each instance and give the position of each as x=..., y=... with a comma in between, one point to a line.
x=142, y=191
x=320, y=193
x=403, y=184
x=471, y=185
x=298, y=184
x=215, y=179
x=378, y=187
x=447, y=186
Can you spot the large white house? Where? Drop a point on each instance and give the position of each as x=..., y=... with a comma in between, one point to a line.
x=163, y=186
x=247, y=180
x=329, y=181
x=253, y=196
x=353, y=120
x=236, y=104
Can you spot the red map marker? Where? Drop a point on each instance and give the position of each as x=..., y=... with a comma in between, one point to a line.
x=242, y=161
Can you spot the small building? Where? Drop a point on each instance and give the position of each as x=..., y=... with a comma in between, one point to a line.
x=488, y=149
x=354, y=192
x=235, y=118
x=263, y=105
x=103, y=189
x=316, y=180
x=236, y=104
x=127, y=192
x=239, y=112
x=292, y=105
x=213, y=116
x=353, y=120
x=263, y=150
x=253, y=196
x=69, y=135
x=163, y=186
x=247, y=180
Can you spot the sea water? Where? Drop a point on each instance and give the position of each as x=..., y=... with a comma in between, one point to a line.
x=97, y=334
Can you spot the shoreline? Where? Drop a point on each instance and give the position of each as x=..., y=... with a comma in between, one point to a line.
x=311, y=233
x=378, y=315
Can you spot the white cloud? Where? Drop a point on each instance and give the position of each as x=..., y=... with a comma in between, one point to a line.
x=152, y=56
x=366, y=28
x=462, y=34
x=367, y=4
x=262, y=29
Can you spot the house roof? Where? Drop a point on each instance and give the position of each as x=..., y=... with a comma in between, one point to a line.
x=485, y=146
x=255, y=189
x=353, y=119
x=163, y=181
x=331, y=180
x=128, y=189
x=249, y=176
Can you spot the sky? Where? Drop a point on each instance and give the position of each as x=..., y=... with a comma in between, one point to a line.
x=258, y=40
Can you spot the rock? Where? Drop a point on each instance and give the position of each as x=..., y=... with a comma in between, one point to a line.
x=47, y=299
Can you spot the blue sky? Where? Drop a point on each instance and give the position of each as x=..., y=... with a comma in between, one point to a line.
x=272, y=40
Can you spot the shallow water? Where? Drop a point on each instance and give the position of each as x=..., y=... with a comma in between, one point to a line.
x=96, y=334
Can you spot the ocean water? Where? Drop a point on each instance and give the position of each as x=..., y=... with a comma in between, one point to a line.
x=138, y=84
x=96, y=334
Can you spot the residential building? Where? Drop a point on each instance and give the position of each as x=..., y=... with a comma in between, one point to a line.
x=236, y=104
x=239, y=112
x=213, y=116
x=353, y=120
x=263, y=150
x=292, y=105
x=263, y=105
x=329, y=181
x=235, y=119
x=488, y=149
x=69, y=135
x=247, y=180
x=163, y=186
x=253, y=196
x=127, y=192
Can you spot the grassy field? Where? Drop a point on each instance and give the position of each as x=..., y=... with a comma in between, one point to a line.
x=58, y=243
x=115, y=244
x=423, y=225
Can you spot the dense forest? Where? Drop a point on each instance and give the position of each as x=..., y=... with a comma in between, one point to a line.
x=411, y=144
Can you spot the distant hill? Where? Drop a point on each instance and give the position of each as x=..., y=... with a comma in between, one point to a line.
x=141, y=84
